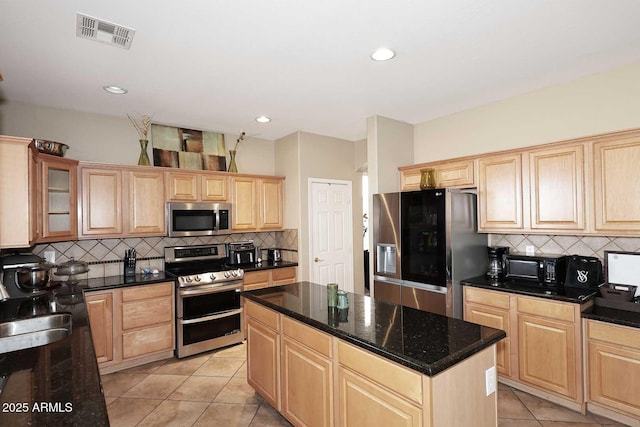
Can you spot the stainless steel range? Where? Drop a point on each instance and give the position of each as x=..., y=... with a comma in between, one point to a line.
x=208, y=302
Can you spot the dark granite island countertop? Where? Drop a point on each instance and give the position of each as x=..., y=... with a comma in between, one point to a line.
x=425, y=342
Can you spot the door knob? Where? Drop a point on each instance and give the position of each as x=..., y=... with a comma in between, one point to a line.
x=316, y=259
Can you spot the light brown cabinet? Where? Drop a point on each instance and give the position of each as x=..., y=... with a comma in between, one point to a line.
x=613, y=367
x=58, y=212
x=101, y=195
x=197, y=186
x=500, y=193
x=617, y=191
x=455, y=174
x=258, y=202
x=100, y=310
x=18, y=180
x=145, y=205
x=307, y=375
x=133, y=325
x=266, y=278
x=538, y=331
x=557, y=177
x=263, y=352
x=491, y=309
x=121, y=201
x=550, y=331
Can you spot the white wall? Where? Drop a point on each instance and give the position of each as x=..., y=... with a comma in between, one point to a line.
x=389, y=145
x=600, y=103
x=110, y=139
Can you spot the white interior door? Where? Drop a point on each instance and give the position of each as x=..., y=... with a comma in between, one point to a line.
x=331, y=240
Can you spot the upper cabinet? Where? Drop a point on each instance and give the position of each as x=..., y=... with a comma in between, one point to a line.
x=454, y=174
x=500, y=193
x=197, y=186
x=18, y=193
x=557, y=184
x=38, y=199
x=617, y=189
x=258, y=202
x=120, y=201
x=57, y=212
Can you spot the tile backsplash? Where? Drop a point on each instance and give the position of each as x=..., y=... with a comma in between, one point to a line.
x=105, y=255
x=566, y=245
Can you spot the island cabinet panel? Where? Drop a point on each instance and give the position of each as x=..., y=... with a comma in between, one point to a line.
x=307, y=375
x=550, y=331
x=100, y=310
x=557, y=188
x=140, y=325
x=617, y=200
x=500, y=193
x=146, y=210
x=263, y=359
x=613, y=366
x=101, y=202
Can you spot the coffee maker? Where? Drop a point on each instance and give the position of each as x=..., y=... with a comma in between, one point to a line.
x=496, y=262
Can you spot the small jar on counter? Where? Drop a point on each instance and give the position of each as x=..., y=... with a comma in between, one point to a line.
x=332, y=294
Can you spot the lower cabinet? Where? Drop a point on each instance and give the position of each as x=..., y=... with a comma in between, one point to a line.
x=133, y=325
x=265, y=278
x=613, y=367
x=542, y=352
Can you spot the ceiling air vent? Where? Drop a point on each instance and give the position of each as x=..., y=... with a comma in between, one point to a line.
x=96, y=29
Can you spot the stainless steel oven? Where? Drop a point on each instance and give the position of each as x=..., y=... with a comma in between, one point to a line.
x=208, y=301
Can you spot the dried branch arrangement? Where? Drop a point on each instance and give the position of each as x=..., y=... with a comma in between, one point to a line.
x=141, y=126
x=240, y=138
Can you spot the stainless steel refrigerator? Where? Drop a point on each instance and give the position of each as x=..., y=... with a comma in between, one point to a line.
x=425, y=242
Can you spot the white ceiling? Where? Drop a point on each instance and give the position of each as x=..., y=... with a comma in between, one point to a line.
x=216, y=65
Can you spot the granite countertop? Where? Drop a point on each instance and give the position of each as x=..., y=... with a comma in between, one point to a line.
x=425, y=342
x=574, y=295
x=61, y=377
x=618, y=312
x=267, y=265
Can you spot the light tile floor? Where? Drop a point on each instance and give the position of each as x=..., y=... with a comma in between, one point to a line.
x=211, y=390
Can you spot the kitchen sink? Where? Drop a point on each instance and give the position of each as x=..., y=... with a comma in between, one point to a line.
x=34, y=331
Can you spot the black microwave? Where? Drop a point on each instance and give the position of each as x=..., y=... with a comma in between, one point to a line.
x=198, y=219
x=544, y=269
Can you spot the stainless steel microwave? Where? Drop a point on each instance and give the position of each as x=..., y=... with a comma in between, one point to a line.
x=198, y=219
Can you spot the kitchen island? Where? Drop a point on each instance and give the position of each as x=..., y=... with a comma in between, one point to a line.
x=373, y=363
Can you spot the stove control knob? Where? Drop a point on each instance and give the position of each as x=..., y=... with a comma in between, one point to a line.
x=212, y=276
x=197, y=278
x=188, y=279
x=226, y=274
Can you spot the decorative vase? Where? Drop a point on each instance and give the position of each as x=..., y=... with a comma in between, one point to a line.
x=144, y=158
x=427, y=180
x=232, y=161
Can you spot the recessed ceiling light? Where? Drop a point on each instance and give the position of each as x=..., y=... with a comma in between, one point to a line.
x=383, y=54
x=115, y=90
x=263, y=119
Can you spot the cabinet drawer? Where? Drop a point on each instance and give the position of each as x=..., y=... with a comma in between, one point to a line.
x=147, y=291
x=256, y=277
x=310, y=337
x=263, y=315
x=614, y=334
x=401, y=380
x=279, y=274
x=148, y=312
x=553, y=310
x=146, y=341
x=490, y=298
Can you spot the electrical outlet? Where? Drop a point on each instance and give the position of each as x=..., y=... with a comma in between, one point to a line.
x=490, y=380
x=529, y=249
x=50, y=256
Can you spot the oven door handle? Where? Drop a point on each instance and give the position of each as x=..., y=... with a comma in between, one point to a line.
x=210, y=289
x=212, y=317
